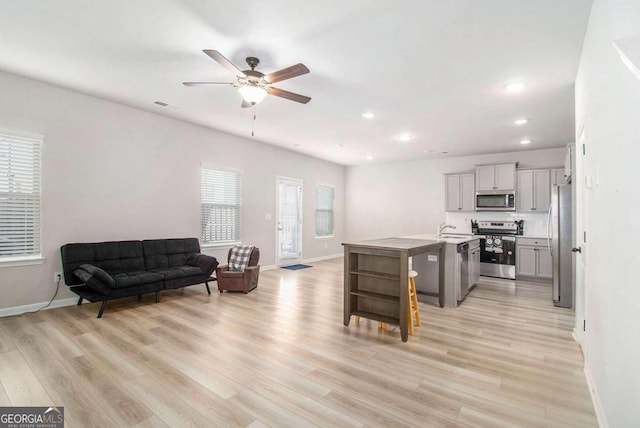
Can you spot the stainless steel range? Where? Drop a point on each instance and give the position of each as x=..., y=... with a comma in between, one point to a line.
x=498, y=246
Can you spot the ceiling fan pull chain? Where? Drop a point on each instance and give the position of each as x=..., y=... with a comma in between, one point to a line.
x=253, y=120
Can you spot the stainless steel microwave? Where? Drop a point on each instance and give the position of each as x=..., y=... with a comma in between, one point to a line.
x=496, y=200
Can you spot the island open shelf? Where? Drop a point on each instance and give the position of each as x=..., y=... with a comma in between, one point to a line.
x=376, y=276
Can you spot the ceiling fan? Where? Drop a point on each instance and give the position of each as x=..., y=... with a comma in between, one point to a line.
x=254, y=85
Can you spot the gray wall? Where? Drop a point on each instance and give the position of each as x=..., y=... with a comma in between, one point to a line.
x=110, y=172
x=404, y=198
x=608, y=109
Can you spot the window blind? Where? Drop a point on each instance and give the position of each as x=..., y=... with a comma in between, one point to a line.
x=324, y=210
x=19, y=195
x=221, y=199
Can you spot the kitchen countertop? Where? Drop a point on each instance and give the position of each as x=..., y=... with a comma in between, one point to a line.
x=449, y=238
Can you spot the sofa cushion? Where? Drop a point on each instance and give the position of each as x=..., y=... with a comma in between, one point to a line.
x=168, y=253
x=178, y=272
x=112, y=257
x=232, y=274
x=124, y=280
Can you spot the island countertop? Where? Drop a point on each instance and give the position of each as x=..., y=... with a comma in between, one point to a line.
x=409, y=243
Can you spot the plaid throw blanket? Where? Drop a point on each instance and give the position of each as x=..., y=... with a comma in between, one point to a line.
x=239, y=259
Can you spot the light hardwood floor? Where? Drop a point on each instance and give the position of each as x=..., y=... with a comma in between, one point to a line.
x=280, y=356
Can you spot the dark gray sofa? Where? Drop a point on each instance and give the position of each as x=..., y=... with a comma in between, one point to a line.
x=103, y=271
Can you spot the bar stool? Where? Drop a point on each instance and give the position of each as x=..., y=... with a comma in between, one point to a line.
x=414, y=310
x=382, y=325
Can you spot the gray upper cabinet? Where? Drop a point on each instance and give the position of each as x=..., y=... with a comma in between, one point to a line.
x=534, y=190
x=459, y=192
x=496, y=177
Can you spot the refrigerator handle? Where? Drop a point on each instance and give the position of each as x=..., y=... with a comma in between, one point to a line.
x=549, y=229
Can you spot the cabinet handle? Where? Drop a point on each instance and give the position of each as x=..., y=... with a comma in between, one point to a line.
x=494, y=187
x=533, y=208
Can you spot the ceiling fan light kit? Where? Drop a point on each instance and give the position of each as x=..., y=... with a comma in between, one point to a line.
x=253, y=85
x=252, y=94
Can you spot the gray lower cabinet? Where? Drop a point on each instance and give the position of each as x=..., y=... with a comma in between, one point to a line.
x=533, y=259
x=459, y=192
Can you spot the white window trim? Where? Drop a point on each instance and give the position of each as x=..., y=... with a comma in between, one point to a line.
x=333, y=210
x=22, y=261
x=220, y=244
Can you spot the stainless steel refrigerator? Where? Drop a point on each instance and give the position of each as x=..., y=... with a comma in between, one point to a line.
x=560, y=241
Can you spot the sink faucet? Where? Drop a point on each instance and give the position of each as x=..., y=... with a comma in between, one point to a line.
x=443, y=226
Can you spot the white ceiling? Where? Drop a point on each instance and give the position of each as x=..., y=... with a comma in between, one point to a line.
x=433, y=68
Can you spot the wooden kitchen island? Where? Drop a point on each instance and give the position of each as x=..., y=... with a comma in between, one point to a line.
x=376, y=277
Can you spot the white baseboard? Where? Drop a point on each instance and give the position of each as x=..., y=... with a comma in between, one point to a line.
x=319, y=259
x=269, y=267
x=597, y=405
x=17, y=310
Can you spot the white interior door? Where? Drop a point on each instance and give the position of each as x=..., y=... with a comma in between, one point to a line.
x=579, y=177
x=289, y=221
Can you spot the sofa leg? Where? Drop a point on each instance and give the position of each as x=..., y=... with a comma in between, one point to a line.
x=206, y=284
x=157, y=297
x=139, y=297
x=80, y=301
x=104, y=305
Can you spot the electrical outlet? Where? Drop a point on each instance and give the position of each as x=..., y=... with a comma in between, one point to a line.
x=57, y=277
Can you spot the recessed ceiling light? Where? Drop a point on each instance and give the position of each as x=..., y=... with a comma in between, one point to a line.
x=339, y=146
x=161, y=103
x=526, y=141
x=442, y=153
x=521, y=121
x=404, y=137
x=369, y=115
x=514, y=87
x=427, y=151
x=369, y=157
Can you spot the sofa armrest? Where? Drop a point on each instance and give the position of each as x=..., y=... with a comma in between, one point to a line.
x=96, y=278
x=251, y=274
x=221, y=269
x=207, y=263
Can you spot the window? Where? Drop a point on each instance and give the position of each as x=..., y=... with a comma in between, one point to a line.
x=19, y=196
x=324, y=210
x=221, y=198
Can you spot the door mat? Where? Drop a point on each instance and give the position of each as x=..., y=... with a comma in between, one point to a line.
x=296, y=267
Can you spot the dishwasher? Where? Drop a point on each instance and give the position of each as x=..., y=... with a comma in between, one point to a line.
x=462, y=262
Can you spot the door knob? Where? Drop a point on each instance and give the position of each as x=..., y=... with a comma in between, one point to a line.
x=577, y=250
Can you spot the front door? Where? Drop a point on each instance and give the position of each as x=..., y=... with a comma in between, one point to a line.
x=289, y=221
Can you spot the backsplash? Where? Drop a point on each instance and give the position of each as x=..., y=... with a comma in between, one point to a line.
x=535, y=224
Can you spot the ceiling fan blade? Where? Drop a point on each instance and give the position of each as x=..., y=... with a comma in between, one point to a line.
x=245, y=104
x=288, y=95
x=217, y=56
x=287, y=73
x=205, y=83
